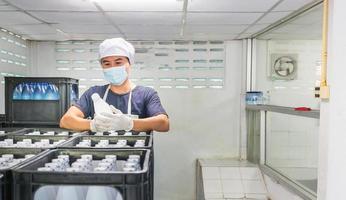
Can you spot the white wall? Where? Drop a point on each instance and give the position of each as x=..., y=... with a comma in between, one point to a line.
x=204, y=122
x=297, y=92
x=14, y=60
x=332, y=159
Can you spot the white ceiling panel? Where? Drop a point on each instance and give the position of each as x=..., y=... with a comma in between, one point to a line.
x=222, y=18
x=12, y=18
x=244, y=35
x=71, y=17
x=231, y=5
x=291, y=5
x=59, y=5
x=135, y=5
x=215, y=29
x=145, y=17
x=54, y=37
x=7, y=8
x=87, y=28
x=209, y=36
x=255, y=28
x=272, y=17
x=313, y=17
x=152, y=36
x=290, y=36
x=93, y=36
x=288, y=28
x=149, y=29
x=33, y=29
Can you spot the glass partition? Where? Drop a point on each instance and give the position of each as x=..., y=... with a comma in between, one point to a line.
x=287, y=70
x=292, y=148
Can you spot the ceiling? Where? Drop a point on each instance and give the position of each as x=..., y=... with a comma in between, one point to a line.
x=307, y=26
x=142, y=19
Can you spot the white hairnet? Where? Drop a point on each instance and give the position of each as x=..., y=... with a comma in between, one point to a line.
x=117, y=47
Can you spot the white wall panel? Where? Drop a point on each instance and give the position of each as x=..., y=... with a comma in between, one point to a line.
x=14, y=60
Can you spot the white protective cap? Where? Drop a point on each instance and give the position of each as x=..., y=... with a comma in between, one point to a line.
x=117, y=47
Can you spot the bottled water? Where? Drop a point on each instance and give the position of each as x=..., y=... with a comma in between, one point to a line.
x=26, y=143
x=74, y=97
x=26, y=92
x=100, y=106
x=140, y=143
x=46, y=192
x=71, y=192
x=103, y=193
x=38, y=94
x=113, y=133
x=99, y=133
x=128, y=133
x=17, y=93
x=50, y=93
x=56, y=92
x=9, y=160
x=142, y=133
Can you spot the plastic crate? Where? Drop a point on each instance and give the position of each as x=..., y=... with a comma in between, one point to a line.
x=56, y=131
x=6, y=182
x=131, y=185
x=112, y=140
x=134, y=133
x=35, y=138
x=10, y=130
x=33, y=112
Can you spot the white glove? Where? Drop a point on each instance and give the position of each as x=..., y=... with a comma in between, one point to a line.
x=115, y=110
x=99, y=123
x=96, y=125
x=114, y=122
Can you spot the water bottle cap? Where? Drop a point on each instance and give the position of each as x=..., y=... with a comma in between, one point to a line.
x=46, y=169
x=95, y=97
x=8, y=156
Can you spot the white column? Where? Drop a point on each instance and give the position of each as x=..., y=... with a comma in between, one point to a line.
x=332, y=149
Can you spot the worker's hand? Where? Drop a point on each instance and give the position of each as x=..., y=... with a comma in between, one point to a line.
x=115, y=110
x=116, y=122
x=96, y=124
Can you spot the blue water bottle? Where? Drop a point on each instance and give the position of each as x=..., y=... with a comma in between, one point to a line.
x=26, y=93
x=38, y=95
x=17, y=93
x=44, y=87
x=49, y=95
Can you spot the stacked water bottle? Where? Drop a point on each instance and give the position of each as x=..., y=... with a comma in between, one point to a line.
x=86, y=164
x=36, y=91
x=52, y=133
x=114, y=133
x=28, y=143
x=8, y=160
x=73, y=96
x=107, y=144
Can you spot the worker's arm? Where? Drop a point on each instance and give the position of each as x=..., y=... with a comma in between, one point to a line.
x=157, y=123
x=74, y=119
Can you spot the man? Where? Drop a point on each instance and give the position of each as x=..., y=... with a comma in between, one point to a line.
x=134, y=107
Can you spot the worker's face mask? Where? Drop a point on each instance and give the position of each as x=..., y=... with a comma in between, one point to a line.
x=115, y=75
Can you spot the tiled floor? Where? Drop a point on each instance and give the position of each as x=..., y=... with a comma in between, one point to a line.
x=232, y=180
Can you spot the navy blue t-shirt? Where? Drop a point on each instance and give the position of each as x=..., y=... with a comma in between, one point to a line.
x=145, y=101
